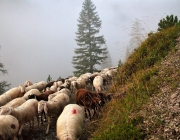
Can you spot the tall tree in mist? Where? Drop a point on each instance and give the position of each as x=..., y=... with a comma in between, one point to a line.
x=137, y=35
x=107, y=63
x=3, y=84
x=168, y=22
x=90, y=52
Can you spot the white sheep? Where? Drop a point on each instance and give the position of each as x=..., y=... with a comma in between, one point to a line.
x=70, y=123
x=110, y=73
x=80, y=83
x=53, y=107
x=4, y=98
x=91, y=78
x=74, y=78
x=32, y=91
x=9, y=127
x=34, y=86
x=53, y=87
x=85, y=75
x=106, y=80
x=15, y=102
x=41, y=85
x=66, y=84
x=24, y=113
x=73, y=86
x=104, y=70
x=28, y=83
x=98, y=83
x=12, y=94
x=59, y=83
x=64, y=90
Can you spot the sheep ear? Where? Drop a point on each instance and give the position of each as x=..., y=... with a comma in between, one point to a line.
x=22, y=89
x=10, y=109
x=45, y=108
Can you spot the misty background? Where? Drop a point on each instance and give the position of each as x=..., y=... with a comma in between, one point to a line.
x=37, y=37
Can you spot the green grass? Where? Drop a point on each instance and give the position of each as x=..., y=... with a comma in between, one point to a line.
x=139, y=78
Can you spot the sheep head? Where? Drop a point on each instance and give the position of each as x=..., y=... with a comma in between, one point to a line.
x=31, y=96
x=6, y=110
x=41, y=105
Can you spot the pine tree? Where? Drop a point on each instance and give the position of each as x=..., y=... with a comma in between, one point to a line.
x=3, y=84
x=168, y=22
x=137, y=35
x=49, y=79
x=120, y=63
x=90, y=52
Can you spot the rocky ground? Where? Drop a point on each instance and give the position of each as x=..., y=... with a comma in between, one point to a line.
x=162, y=114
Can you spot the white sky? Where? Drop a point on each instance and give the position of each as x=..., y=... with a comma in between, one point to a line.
x=37, y=36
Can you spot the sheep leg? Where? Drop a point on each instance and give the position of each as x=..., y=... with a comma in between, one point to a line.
x=15, y=138
x=47, y=130
x=37, y=117
x=20, y=129
x=32, y=125
x=88, y=110
x=44, y=116
x=40, y=117
x=96, y=108
x=86, y=115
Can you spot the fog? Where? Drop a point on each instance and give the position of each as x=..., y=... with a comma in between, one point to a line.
x=37, y=36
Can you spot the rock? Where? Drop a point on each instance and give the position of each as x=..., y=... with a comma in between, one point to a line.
x=174, y=95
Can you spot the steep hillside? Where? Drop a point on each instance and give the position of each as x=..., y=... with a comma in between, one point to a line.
x=162, y=113
x=147, y=99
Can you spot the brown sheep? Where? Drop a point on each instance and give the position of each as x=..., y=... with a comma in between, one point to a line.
x=88, y=99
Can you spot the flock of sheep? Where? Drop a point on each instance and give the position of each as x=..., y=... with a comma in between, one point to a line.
x=25, y=103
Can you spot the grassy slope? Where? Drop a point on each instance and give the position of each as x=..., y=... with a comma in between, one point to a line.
x=138, y=77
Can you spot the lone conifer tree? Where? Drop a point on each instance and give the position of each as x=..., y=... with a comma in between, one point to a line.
x=90, y=51
x=49, y=79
